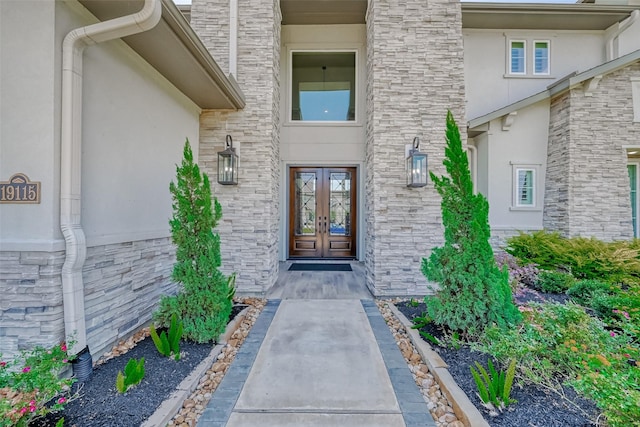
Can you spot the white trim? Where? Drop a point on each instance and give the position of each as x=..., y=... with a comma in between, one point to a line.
x=34, y=245
x=233, y=37
x=533, y=56
x=303, y=48
x=515, y=183
x=510, y=71
x=114, y=239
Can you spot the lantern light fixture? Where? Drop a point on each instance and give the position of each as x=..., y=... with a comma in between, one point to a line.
x=228, y=164
x=416, y=166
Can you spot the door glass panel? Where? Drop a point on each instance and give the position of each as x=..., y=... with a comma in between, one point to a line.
x=340, y=204
x=633, y=178
x=305, y=204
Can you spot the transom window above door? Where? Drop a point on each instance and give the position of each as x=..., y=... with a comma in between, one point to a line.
x=323, y=86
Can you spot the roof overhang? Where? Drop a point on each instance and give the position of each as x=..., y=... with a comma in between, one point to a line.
x=318, y=12
x=529, y=16
x=176, y=52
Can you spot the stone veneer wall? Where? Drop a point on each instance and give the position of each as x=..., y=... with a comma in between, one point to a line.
x=414, y=75
x=122, y=286
x=31, y=304
x=588, y=182
x=123, y=283
x=249, y=227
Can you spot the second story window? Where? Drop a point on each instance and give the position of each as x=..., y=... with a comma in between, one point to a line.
x=541, y=57
x=323, y=86
x=517, y=58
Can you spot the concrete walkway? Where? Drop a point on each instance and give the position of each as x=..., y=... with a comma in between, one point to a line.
x=318, y=363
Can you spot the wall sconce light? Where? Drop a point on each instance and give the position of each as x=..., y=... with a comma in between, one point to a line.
x=416, y=166
x=228, y=164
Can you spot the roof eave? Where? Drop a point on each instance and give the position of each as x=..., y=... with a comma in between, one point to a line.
x=176, y=52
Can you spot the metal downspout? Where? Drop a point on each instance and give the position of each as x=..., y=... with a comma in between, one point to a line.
x=611, y=55
x=71, y=155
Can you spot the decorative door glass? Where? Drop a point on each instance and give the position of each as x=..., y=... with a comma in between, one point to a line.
x=340, y=203
x=305, y=204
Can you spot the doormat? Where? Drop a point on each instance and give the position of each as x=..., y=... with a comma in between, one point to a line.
x=320, y=267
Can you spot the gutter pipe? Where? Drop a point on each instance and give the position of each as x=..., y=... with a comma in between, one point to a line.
x=623, y=26
x=71, y=155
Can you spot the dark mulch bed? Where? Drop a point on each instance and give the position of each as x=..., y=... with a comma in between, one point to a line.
x=100, y=405
x=535, y=407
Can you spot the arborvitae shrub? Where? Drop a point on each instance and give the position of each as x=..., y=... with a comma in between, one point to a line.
x=473, y=291
x=202, y=303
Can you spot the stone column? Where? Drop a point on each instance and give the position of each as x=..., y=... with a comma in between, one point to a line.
x=415, y=74
x=249, y=226
x=587, y=190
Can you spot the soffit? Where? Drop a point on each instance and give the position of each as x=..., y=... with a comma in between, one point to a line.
x=318, y=12
x=527, y=16
x=174, y=50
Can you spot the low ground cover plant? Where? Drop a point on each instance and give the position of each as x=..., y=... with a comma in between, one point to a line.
x=31, y=386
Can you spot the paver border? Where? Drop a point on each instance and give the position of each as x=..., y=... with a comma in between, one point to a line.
x=224, y=398
x=414, y=409
x=462, y=406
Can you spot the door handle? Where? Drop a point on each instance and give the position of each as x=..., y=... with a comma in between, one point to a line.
x=325, y=225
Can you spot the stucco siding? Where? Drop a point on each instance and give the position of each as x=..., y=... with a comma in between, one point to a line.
x=487, y=82
x=414, y=74
x=134, y=124
x=249, y=227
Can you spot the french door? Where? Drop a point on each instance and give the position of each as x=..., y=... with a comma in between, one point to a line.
x=322, y=212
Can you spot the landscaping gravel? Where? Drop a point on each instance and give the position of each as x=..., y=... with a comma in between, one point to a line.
x=535, y=407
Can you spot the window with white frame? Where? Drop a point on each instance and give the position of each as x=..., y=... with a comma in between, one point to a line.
x=524, y=186
x=541, y=57
x=517, y=57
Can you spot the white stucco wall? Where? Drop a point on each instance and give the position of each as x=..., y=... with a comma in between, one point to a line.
x=133, y=138
x=485, y=61
x=29, y=129
x=499, y=151
x=134, y=127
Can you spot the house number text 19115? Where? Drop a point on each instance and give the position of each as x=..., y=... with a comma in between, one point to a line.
x=19, y=189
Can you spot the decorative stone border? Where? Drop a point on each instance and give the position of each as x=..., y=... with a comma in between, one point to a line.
x=462, y=406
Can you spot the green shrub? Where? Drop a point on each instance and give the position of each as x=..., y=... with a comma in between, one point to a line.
x=584, y=258
x=203, y=304
x=494, y=387
x=562, y=344
x=583, y=291
x=554, y=281
x=133, y=374
x=473, y=291
x=168, y=344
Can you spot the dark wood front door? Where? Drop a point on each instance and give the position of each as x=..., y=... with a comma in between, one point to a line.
x=322, y=212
